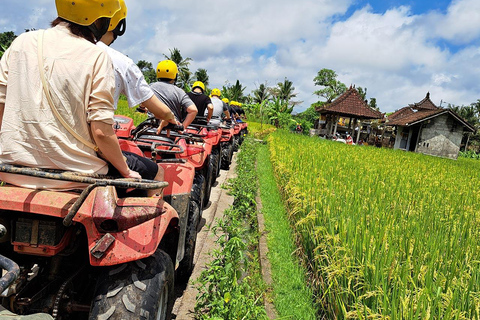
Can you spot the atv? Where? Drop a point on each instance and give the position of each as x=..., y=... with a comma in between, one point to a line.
x=185, y=190
x=211, y=135
x=87, y=252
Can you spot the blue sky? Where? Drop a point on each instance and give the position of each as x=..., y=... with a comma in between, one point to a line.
x=398, y=50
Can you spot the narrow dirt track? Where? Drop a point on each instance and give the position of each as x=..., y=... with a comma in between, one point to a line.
x=219, y=201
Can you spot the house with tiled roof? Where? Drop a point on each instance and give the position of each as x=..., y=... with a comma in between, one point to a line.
x=348, y=105
x=425, y=128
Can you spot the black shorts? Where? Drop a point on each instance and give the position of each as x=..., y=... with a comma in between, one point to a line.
x=145, y=167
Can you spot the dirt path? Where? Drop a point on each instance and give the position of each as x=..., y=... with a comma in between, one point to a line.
x=219, y=201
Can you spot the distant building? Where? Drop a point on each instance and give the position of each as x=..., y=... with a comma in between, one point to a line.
x=348, y=105
x=425, y=128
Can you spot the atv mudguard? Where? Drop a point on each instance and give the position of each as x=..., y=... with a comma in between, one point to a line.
x=143, y=222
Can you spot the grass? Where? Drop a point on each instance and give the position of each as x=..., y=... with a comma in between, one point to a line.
x=292, y=298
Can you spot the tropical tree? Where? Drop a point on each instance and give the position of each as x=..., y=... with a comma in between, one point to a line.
x=285, y=91
x=147, y=70
x=332, y=87
x=184, y=78
x=234, y=92
x=6, y=39
x=201, y=75
x=280, y=113
x=261, y=94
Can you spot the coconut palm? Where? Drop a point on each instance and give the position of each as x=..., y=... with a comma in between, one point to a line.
x=201, y=75
x=261, y=94
x=182, y=65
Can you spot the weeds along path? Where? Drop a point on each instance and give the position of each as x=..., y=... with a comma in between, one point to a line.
x=219, y=202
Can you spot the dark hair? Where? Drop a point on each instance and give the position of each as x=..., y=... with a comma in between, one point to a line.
x=76, y=29
x=165, y=79
x=80, y=31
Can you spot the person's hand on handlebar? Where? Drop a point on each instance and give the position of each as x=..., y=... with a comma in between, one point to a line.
x=164, y=123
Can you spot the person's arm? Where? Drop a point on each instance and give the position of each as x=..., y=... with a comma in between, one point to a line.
x=210, y=111
x=191, y=114
x=107, y=143
x=159, y=109
x=227, y=114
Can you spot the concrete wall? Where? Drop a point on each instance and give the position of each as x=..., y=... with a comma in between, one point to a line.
x=441, y=136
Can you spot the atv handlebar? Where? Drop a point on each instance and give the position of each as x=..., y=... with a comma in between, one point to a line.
x=174, y=127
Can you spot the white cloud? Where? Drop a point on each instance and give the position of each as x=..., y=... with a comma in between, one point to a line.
x=399, y=56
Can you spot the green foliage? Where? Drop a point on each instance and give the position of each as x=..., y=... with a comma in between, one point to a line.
x=284, y=91
x=201, y=75
x=262, y=93
x=148, y=71
x=234, y=92
x=123, y=109
x=184, y=79
x=332, y=87
x=6, y=39
x=279, y=113
x=231, y=287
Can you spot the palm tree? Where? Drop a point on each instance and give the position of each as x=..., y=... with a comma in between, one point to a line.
x=182, y=65
x=201, y=75
x=285, y=92
x=261, y=94
x=234, y=92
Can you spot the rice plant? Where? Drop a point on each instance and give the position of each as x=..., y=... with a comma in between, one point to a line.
x=385, y=234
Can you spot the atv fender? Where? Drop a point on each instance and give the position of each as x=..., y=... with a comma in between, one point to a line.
x=138, y=240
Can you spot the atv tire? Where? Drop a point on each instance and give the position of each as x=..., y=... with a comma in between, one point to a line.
x=227, y=151
x=185, y=266
x=142, y=289
x=236, y=143
x=215, y=156
x=210, y=178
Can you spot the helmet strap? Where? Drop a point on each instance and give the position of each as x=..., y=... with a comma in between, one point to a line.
x=120, y=28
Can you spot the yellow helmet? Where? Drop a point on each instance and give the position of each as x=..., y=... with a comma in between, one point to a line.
x=216, y=92
x=233, y=103
x=86, y=12
x=225, y=100
x=167, y=69
x=198, y=84
x=118, y=22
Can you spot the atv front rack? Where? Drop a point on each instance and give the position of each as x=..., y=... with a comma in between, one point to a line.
x=93, y=181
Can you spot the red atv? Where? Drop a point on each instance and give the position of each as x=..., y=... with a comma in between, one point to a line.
x=87, y=253
x=175, y=153
x=211, y=136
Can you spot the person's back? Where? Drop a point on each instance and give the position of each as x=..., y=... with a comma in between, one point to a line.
x=175, y=98
x=202, y=101
x=77, y=71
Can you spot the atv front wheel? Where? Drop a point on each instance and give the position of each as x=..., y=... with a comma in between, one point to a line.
x=140, y=289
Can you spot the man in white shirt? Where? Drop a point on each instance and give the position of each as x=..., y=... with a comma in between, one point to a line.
x=129, y=79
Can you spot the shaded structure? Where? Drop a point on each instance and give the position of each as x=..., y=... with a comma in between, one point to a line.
x=425, y=128
x=349, y=105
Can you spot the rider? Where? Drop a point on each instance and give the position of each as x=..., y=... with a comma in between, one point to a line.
x=174, y=97
x=130, y=81
x=79, y=78
x=233, y=115
x=201, y=100
x=219, y=107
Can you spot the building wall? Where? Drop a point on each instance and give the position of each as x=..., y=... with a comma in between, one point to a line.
x=441, y=136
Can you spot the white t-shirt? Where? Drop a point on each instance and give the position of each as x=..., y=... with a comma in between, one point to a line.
x=129, y=79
